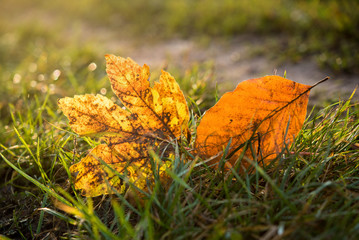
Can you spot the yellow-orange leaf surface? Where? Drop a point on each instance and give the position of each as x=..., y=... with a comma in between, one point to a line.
x=270, y=109
x=153, y=117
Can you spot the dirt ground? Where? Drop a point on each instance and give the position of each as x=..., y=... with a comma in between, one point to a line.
x=234, y=62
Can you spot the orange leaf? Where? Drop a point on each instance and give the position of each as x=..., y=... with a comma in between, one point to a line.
x=154, y=116
x=270, y=109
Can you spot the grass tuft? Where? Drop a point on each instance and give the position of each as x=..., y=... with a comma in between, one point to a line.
x=310, y=190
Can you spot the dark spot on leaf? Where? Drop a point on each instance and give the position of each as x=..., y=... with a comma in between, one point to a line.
x=72, y=120
x=134, y=116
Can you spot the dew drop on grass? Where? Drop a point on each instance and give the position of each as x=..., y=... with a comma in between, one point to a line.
x=34, y=136
x=52, y=88
x=41, y=77
x=280, y=229
x=92, y=66
x=44, y=89
x=33, y=83
x=16, y=79
x=56, y=74
x=103, y=91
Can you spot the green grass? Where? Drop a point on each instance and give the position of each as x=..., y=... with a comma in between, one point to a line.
x=311, y=191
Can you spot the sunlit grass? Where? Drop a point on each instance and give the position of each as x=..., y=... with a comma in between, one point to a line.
x=310, y=191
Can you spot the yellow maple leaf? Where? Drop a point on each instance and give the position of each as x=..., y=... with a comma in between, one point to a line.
x=153, y=117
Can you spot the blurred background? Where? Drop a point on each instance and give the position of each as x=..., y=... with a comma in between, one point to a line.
x=58, y=46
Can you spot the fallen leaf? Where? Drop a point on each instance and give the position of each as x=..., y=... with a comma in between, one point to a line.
x=270, y=110
x=153, y=116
